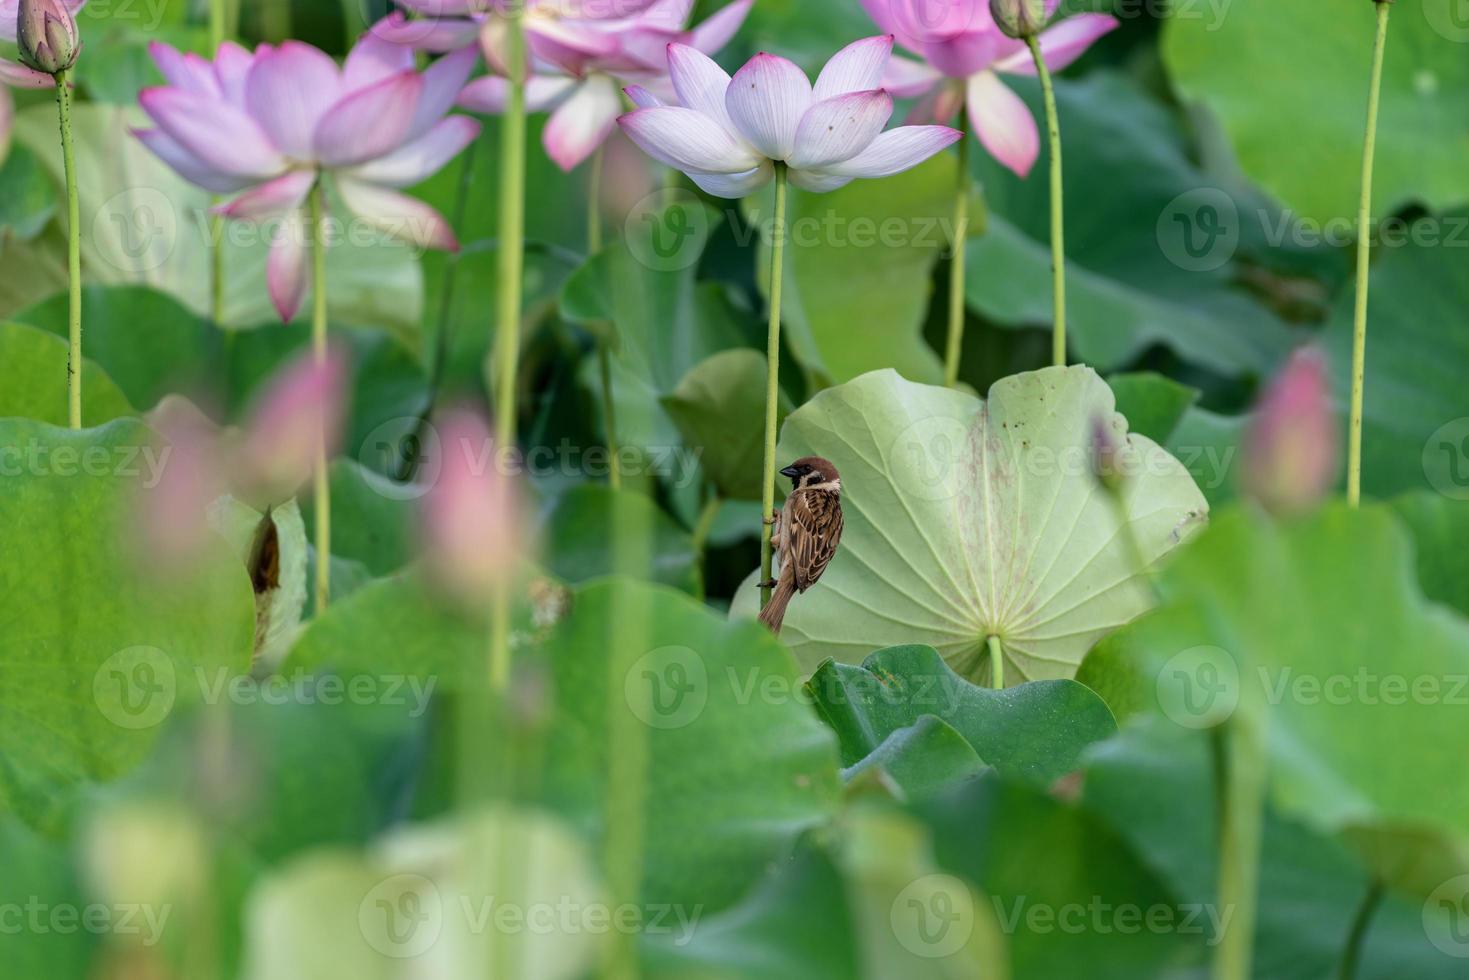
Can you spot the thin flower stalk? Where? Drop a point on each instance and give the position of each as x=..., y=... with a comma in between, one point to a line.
x=955, y=349
x=507, y=330
x=1364, y=256
x=1058, y=219
x=73, y=256
x=772, y=382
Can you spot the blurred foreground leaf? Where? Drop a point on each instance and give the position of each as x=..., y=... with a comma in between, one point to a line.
x=1321, y=624
x=97, y=651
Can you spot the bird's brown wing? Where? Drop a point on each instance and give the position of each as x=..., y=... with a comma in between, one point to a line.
x=815, y=530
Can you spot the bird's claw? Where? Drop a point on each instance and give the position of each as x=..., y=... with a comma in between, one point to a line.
x=767, y=584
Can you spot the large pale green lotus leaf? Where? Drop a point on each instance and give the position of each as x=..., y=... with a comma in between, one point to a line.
x=142, y=224
x=1288, y=80
x=433, y=898
x=96, y=653
x=967, y=519
x=1320, y=629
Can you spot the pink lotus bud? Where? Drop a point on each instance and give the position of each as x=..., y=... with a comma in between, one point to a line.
x=7, y=120
x=173, y=511
x=1108, y=465
x=1291, y=447
x=470, y=515
x=46, y=33
x=299, y=415
x=1019, y=18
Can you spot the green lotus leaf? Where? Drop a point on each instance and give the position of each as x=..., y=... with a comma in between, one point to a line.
x=970, y=519
x=33, y=380
x=1035, y=731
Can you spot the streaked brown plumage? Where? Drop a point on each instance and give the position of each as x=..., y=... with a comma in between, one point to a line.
x=806, y=533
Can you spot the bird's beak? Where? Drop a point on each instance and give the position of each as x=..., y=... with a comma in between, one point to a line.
x=791, y=472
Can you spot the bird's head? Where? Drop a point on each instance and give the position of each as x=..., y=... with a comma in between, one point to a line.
x=813, y=473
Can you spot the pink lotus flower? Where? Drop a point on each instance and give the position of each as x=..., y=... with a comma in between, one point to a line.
x=11, y=73
x=729, y=132
x=581, y=86
x=1291, y=449
x=470, y=517
x=965, y=53
x=275, y=122
x=555, y=30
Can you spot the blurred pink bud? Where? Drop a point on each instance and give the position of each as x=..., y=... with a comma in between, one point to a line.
x=470, y=515
x=7, y=119
x=1107, y=448
x=46, y=34
x=299, y=415
x=1291, y=447
x=174, y=511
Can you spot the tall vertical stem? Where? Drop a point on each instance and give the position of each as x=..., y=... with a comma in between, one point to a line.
x=1239, y=753
x=320, y=480
x=1357, y=937
x=956, y=268
x=507, y=326
x=1058, y=217
x=219, y=31
x=772, y=379
x=604, y=353
x=218, y=23
x=73, y=254
x=1364, y=255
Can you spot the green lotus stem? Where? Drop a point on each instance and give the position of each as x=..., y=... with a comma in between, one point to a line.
x=219, y=32
x=218, y=23
x=604, y=354
x=507, y=327
x=320, y=478
x=1364, y=255
x=1239, y=763
x=772, y=380
x=216, y=272
x=700, y=537
x=997, y=663
x=956, y=270
x=1058, y=222
x=1357, y=937
x=73, y=254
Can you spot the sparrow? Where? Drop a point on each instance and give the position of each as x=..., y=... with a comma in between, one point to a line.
x=806, y=533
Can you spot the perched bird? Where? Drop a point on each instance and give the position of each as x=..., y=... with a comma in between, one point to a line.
x=806, y=533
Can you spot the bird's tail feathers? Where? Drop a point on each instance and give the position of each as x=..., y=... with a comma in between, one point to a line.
x=774, y=612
